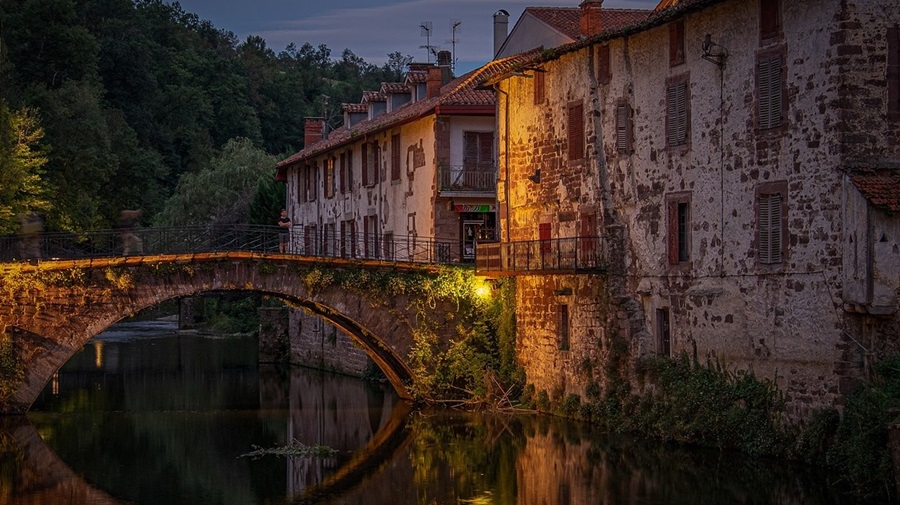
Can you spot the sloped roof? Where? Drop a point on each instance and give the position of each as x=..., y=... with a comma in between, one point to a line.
x=416, y=76
x=567, y=20
x=373, y=96
x=394, y=87
x=462, y=91
x=354, y=107
x=880, y=187
x=668, y=13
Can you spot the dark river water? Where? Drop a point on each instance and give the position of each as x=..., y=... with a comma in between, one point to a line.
x=143, y=415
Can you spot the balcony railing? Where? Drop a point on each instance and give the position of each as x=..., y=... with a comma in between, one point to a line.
x=467, y=178
x=576, y=254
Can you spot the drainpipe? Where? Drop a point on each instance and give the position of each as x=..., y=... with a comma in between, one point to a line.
x=505, y=158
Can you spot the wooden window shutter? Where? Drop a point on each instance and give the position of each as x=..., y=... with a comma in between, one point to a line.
x=539, y=82
x=395, y=157
x=365, y=164
x=893, y=73
x=676, y=43
x=676, y=116
x=343, y=172
x=769, y=18
x=769, y=92
x=603, y=65
x=770, y=229
x=576, y=131
x=544, y=233
x=470, y=149
x=623, y=128
x=486, y=149
x=672, y=232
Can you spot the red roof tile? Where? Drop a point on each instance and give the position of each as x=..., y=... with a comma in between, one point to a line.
x=416, y=76
x=462, y=91
x=567, y=20
x=354, y=107
x=880, y=187
x=373, y=96
x=394, y=87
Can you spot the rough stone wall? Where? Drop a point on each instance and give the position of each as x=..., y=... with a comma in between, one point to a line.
x=318, y=344
x=785, y=322
x=273, y=333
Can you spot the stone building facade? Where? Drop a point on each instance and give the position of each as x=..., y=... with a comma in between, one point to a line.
x=739, y=158
x=410, y=175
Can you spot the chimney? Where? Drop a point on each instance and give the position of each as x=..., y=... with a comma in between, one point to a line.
x=312, y=131
x=434, y=82
x=444, y=58
x=501, y=29
x=591, y=22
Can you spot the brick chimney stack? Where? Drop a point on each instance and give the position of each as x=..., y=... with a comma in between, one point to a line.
x=434, y=82
x=591, y=21
x=312, y=131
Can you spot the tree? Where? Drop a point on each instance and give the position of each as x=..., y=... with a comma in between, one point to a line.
x=22, y=160
x=222, y=192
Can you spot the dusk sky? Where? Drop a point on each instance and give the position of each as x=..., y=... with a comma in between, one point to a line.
x=372, y=29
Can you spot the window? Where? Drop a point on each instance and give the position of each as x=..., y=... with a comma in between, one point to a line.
x=677, y=111
x=623, y=128
x=576, y=131
x=603, y=67
x=478, y=150
x=769, y=90
x=544, y=235
x=371, y=161
x=329, y=178
x=893, y=73
x=395, y=157
x=387, y=246
x=679, y=223
x=328, y=240
x=588, y=242
x=769, y=20
x=346, y=172
x=676, y=43
x=562, y=325
x=309, y=240
x=663, y=332
x=539, y=87
x=370, y=236
x=348, y=239
x=771, y=222
x=309, y=184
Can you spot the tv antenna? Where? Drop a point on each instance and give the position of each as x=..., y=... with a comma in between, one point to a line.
x=426, y=32
x=454, y=29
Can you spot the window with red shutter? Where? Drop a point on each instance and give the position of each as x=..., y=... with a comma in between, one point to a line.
x=677, y=112
x=676, y=43
x=769, y=20
x=539, y=87
x=623, y=128
x=329, y=178
x=395, y=157
x=544, y=235
x=576, y=131
x=893, y=73
x=343, y=172
x=604, y=74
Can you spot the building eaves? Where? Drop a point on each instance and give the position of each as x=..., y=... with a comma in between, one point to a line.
x=654, y=20
x=462, y=91
x=393, y=88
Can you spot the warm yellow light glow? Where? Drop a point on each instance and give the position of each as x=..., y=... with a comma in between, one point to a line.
x=483, y=290
x=98, y=353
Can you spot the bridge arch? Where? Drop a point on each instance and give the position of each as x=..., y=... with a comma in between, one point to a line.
x=53, y=308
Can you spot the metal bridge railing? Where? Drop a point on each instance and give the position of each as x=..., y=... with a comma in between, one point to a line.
x=530, y=256
x=223, y=238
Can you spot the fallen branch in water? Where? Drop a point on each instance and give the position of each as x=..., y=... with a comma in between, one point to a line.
x=296, y=449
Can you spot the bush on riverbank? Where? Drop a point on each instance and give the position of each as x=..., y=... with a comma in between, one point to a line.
x=12, y=373
x=686, y=401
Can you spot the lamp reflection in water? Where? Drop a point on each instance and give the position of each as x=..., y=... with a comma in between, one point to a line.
x=98, y=353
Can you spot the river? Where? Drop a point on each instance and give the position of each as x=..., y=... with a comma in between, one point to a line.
x=146, y=415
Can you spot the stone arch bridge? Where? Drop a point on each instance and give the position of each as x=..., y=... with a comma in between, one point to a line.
x=51, y=308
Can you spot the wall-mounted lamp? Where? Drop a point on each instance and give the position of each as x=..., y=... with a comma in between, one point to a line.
x=535, y=177
x=713, y=52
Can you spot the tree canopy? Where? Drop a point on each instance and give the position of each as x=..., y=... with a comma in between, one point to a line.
x=121, y=104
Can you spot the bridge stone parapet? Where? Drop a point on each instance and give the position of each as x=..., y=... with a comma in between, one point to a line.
x=51, y=308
